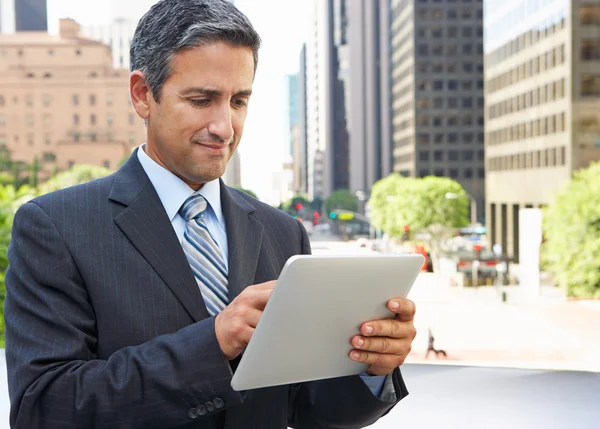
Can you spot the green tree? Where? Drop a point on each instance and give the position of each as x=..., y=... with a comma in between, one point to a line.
x=571, y=225
x=342, y=199
x=290, y=205
x=35, y=169
x=247, y=191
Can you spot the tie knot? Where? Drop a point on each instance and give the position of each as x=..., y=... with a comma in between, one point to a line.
x=193, y=207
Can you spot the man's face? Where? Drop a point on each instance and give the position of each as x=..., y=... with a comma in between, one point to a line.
x=197, y=125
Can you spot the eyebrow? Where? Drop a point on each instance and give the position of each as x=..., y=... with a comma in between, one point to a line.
x=213, y=92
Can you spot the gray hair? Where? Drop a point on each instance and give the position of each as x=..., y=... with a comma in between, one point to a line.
x=171, y=26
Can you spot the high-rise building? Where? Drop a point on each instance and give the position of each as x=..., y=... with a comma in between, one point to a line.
x=297, y=126
x=118, y=36
x=62, y=101
x=7, y=16
x=437, y=92
x=366, y=53
x=328, y=152
x=233, y=171
x=31, y=15
x=542, y=105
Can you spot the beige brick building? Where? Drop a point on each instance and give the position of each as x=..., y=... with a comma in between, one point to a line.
x=62, y=101
x=542, y=71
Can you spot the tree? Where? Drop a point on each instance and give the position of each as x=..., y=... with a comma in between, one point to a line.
x=434, y=206
x=571, y=225
x=342, y=199
x=247, y=191
x=35, y=169
x=290, y=205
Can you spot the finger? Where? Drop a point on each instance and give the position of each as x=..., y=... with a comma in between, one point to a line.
x=256, y=299
x=405, y=308
x=393, y=328
x=385, y=362
x=262, y=286
x=383, y=345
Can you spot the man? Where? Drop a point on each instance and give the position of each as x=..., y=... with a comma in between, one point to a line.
x=130, y=298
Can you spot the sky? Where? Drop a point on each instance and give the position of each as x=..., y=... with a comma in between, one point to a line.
x=283, y=26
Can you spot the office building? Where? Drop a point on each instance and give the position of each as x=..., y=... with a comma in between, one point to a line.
x=30, y=15
x=118, y=36
x=298, y=130
x=62, y=101
x=437, y=92
x=542, y=105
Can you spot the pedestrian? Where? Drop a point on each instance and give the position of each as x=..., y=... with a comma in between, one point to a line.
x=130, y=298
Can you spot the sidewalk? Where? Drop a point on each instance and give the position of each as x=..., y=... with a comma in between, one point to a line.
x=476, y=328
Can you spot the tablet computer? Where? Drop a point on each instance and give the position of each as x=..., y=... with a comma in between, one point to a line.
x=317, y=306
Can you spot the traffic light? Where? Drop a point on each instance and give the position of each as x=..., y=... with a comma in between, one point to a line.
x=406, y=234
x=299, y=206
x=477, y=251
x=333, y=215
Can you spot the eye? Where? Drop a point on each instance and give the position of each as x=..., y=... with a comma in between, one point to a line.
x=240, y=103
x=199, y=102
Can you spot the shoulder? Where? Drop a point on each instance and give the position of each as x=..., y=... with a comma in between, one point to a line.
x=267, y=213
x=76, y=198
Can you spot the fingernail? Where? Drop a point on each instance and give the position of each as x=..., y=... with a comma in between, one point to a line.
x=394, y=305
x=354, y=355
x=369, y=329
x=360, y=342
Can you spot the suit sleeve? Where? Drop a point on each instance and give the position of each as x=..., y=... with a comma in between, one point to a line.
x=55, y=379
x=341, y=403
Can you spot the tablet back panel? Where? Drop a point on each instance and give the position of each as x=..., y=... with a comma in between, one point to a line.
x=318, y=305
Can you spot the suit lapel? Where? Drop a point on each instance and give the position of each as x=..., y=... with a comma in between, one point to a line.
x=244, y=238
x=145, y=223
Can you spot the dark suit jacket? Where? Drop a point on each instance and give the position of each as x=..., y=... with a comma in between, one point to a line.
x=106, y=326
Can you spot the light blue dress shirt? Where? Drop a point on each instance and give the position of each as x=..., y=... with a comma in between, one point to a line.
x=173, y=192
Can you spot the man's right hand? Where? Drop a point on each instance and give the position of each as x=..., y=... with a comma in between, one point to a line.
x=235, y=325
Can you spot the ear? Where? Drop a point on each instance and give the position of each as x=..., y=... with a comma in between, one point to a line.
x=140, y=94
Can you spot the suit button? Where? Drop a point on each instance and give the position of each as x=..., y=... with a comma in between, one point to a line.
x=210, y=407
x=192, y=413
x=219, y=403
x=200, y=410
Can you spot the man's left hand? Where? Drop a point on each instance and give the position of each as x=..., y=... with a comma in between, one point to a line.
x=385, y=344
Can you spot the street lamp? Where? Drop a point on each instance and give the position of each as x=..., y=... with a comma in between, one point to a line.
x=454, y=196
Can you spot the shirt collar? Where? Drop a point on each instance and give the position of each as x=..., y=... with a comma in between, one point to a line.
x=173, y=191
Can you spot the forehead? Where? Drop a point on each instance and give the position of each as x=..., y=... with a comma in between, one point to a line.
x=217, y=65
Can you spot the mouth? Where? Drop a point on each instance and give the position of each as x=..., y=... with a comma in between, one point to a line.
x=214, y=149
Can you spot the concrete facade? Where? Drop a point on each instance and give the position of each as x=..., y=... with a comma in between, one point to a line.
x=542, y=106
x=62, y=101
x=437, y=92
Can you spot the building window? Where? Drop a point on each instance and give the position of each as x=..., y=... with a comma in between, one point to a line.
x=468, y=173
x=30, y=120
x=109, y=100
x=92, y=100
x=452, y=102
x=467, y=138
x=438, y=155
x=106, y=164
x=47, y=139
x=423, y=49
x=47, y=75
x=46, y=99
x=2, y=140
x=589, y=14
x=47, y=119
x=467, y=85
x=78, y=52
x=467, y=102
x=29, y=100
x=438, y=103
x=423, y=156
x=132, y=138
x=438, y=85
x=453, y=173
x=93, y=137
x=110, y=136
x=467, y=155
x=110, y=120
x=452, y=138
x=76, y=137
x=590, y=50
x=2, y=102
x=437, y=122
x=590, y=85
x=76, y=100
x=30, y=139
x=70, y=163
x=75, y=119
x=467, y=31
x=452, y=155
x=93, y=119
x=423, y=138
x=424, y=172
x=481, y=173
x=439, y=172
x=2, y=120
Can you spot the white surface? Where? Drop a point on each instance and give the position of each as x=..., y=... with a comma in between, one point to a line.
x=530, y=240
x=318, y=305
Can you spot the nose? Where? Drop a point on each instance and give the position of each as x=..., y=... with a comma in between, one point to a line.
x=221, y=125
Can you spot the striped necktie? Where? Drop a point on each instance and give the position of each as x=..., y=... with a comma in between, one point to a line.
x=204, y=255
